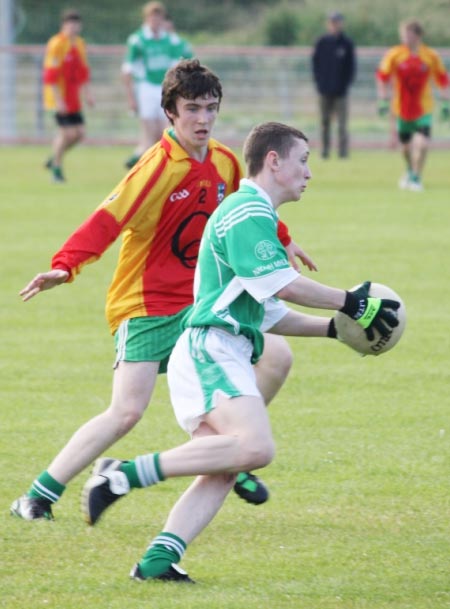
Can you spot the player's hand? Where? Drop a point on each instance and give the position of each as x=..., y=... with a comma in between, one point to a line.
x=383, y=107
x=43, y=281
x=293, y=251
x=444, y=113
x=371, y=312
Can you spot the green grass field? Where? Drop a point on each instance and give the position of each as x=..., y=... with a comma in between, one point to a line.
x=359, y=514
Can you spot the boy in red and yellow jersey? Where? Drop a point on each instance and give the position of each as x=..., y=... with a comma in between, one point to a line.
x=160, y=209
x=412, y=67
x=66, y=73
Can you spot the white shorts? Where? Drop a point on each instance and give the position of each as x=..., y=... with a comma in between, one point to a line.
x=148, y=98
x=207, y=363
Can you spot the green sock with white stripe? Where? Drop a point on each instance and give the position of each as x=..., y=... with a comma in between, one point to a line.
x=164, y=550
x=46, y=487
x=143, y=471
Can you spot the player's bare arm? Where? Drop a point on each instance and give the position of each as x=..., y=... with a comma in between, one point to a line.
x=295, y=323
x=310, y=293
x=43, y=281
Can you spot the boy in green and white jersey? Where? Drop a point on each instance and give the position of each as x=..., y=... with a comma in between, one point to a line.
x=151, y=51
x=241, y=271
x=242, y=265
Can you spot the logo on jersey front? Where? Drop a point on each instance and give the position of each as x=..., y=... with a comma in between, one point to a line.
x=179, y=196
x=265, y=250
x=220, y=191
x=111, y=198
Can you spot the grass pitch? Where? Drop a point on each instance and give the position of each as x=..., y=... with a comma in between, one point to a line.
x=359, y=510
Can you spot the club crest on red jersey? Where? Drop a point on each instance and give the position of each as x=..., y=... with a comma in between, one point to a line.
x=220, y=191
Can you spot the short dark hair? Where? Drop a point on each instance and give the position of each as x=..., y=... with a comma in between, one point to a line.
x=413, y=25
x=188, y=79
x=70, y=14
x=266, y=137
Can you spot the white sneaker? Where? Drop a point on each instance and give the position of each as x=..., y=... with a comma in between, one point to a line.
x=32, y=508
x=415, y=186
x=404, y=182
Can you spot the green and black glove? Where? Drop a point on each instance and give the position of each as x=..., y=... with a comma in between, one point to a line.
x=444, y=113
x=383, y=107
x=370, y=312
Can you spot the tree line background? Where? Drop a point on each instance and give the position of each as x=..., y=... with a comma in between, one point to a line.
x=240, y=22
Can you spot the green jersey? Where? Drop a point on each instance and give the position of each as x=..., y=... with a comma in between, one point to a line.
x=148, y=58
x=241, y=264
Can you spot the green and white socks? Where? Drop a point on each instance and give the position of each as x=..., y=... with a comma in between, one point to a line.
x=143, y=471
x=164, y=550
x=46, y=487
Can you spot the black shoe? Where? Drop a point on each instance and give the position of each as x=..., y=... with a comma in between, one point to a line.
x=173, y=574
x=32, y=508
x=250, y=488
x=106, y=485
x=49, y=163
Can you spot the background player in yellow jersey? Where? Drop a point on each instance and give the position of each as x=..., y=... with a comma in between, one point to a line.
x=66, y=78
x=411, y=68
x=160, y=208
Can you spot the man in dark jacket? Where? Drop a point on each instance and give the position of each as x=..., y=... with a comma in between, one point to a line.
x=334, y=68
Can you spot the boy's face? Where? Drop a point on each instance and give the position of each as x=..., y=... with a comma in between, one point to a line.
x=155, y=20
x=408, y=37
x=294, y=173
x=73, y=27
x=194, y=120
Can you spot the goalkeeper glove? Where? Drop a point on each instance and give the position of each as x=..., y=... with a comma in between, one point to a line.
x=383, y=107
x=370, y=312
x=444, y=113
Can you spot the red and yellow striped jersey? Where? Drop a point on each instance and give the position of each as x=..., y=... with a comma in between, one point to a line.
x=66, y=67
x=160, y=208
x=412, y=76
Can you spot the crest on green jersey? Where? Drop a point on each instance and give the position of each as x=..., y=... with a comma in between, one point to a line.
x=265, y=250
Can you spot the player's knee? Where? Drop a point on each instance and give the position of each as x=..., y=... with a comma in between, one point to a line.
x=285, y=360
x=125, y=419
x=279, y=359
x=257, y=453
x=78, y=136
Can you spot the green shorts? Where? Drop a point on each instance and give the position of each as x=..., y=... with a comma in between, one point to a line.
x=148, y=339
x=406, y=129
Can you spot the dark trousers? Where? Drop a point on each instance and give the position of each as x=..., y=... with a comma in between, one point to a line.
x=330, y=105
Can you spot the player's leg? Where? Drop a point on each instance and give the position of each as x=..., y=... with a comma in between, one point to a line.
x=133, y=385
x=342, y=119
x=419, y=149
x=404, y=130
x=143, y=346
x=191, y=514
x=271, y=372
x=151, y=117
x=273, y=367
x=225, y=396
x=70, y=132
x=325, y=124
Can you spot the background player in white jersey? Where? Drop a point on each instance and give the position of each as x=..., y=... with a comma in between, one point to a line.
x=242, y=267
x=151, y=51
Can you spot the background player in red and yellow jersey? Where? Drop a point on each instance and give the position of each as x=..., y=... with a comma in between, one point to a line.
x=410, y=69
x=160, y=209
x=66, y=76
